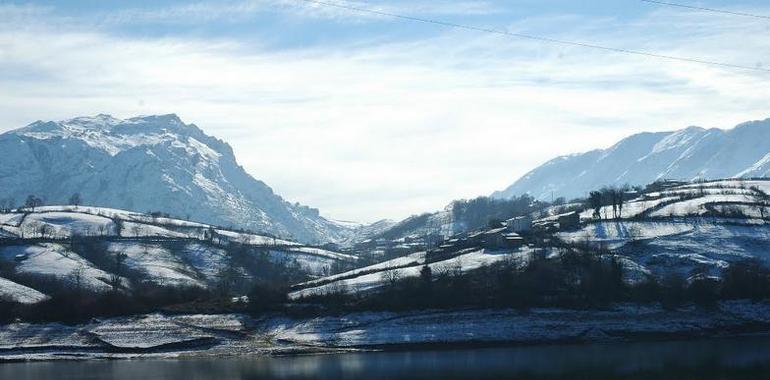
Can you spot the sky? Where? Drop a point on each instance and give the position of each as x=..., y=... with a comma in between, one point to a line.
x=368, y=117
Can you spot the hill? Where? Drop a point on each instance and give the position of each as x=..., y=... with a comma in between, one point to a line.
x=690, y=230
x=54, y=246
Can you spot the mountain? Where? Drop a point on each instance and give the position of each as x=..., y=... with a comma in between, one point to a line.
x=147, y=163
x=687, y=154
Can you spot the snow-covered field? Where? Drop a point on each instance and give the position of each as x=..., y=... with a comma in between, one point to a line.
x=404, y=261
x=616, y=233
x=697, y=206
x=132, y=229
x=763, y=185
x=631, y=209
x=164, y=251
x=373, y=277
x=686, y=229
x=13, y=292
x=159, y=264
x=65, y=221
x=11, y=219
x=65, y=224
x=50, y=259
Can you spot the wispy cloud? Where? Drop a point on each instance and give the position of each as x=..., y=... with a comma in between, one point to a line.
x=389, y=129
x=243, y=10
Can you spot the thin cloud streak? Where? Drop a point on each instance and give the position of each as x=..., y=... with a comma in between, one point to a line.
x=239, y=11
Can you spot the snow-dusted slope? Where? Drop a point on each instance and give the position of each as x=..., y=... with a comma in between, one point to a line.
x=37, y=248
x=149, y=163
x=54, y=260
x=644, y=158
x=374, y=277
x=13, y=292
x=687, y=229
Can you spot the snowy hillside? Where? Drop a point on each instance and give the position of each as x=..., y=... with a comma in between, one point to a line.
x=686, y=154
x=374, y=277
x=687, y=229
x=360, y=232
x=47, y=243
x=146, y=163
x=690, y=230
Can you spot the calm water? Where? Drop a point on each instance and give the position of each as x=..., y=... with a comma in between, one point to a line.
x=713, y=359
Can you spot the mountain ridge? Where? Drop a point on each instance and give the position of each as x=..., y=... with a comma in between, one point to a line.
x=154, y=162
x=686, y=154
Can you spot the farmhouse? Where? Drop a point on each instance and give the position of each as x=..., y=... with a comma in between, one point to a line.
x=500, y=238
x=561, y=222
x=519, y=224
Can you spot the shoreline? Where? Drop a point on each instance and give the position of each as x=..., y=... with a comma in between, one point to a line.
x=158, y=336
x=391, y=348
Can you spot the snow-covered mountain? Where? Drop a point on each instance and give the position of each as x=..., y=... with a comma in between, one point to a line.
x=687, y=154
x=148, y=163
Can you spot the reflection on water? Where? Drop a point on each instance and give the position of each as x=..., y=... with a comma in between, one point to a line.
x=747, y=358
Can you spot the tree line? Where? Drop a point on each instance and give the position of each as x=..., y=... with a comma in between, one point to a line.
x=480, y=212
x=615, y=197
x=575, y=280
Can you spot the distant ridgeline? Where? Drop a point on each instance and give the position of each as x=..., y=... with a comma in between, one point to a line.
x=689, y=154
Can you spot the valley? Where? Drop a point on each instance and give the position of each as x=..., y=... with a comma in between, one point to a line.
x=86, y=276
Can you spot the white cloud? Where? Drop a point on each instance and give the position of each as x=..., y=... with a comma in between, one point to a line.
x=386, y=130
x=241, y=10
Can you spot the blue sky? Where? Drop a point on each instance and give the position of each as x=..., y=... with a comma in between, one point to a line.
x=367, y=117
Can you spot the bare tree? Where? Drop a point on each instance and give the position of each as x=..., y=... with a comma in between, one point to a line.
x=46, y=230
x=7, y=204
x=33, y=228
x=456, y=269
x=228, y=273
x=392, y=276
x=595, y=201
x=118, y=226
x=336, y=289
x=75, y=200
x=76, y=277
x=441, y=270
x=136, y=230
x=32, y=201
x=763, y=201
x=117, y=275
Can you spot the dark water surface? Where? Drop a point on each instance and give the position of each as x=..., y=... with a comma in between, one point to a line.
x=745, y=358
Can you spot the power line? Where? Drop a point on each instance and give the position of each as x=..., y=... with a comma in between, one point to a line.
x=535, y=37
x=724, y=11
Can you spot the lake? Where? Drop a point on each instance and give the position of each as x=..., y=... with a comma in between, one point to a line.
x=745, y=358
